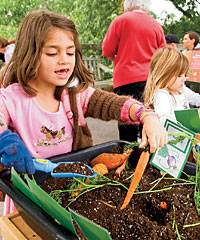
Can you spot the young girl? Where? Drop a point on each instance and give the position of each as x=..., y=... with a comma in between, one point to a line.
x=165, y=90
x=48, y=93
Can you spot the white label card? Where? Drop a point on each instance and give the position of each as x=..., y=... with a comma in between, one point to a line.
x=172, y=157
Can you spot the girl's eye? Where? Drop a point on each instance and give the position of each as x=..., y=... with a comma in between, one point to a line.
x=51, y=54
x=70, y=54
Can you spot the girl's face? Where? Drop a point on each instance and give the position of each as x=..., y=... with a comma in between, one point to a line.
x=57, y=60
x=176, y=84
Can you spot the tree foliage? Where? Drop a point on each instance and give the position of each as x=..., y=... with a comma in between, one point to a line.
x=188, y=22
x=188, y=8
x=93, y=17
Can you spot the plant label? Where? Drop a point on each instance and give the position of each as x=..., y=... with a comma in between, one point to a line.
x=172, y=157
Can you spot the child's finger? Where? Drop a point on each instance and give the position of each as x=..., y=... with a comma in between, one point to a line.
x=153, y=144
x=30, y=167
x=151, y=140
x=19, y=166
x=144, y=140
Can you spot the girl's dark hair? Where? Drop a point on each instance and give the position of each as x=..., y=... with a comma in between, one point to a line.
x=31, y=36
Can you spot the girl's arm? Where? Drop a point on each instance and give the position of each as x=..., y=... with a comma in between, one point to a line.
x=105, y=105
x=192, y=97
x=109, y=106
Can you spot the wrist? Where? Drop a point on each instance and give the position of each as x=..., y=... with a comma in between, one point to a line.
x=133, y=109
x=143, y=112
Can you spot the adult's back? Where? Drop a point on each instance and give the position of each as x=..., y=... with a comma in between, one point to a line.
x=132, y=37
x=131, y=40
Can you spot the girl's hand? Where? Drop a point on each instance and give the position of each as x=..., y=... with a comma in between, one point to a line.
x=153, y=133
x=14, y=153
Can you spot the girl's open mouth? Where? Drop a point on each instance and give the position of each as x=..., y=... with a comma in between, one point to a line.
x=63, y=73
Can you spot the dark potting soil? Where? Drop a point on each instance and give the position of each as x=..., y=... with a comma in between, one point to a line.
x=143, y=218
x=75, y=167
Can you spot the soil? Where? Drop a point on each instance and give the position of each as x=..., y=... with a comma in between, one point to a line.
x=150, y=215
x=76, y=167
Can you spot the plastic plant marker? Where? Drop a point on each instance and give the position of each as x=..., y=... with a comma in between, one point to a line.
x=49, y=205
x=90, y=230
x=189, y=118
x=21, y=185
x=172, y=157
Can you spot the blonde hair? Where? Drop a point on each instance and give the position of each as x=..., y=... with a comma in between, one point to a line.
x=166, y=63
x=32, y=34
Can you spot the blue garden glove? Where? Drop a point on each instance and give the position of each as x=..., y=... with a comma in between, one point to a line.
x=14, y=153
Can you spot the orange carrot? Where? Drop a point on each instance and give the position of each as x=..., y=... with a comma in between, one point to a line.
x=111, y=160
x=121, y=168
x=140, y=168
x=163, y=205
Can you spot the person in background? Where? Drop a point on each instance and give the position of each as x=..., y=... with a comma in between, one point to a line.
x=190, y=40
x=165, y=90
x=6, y=49
x=48, y=92
x=190, y=43
x=172, y=40
x=130, y=41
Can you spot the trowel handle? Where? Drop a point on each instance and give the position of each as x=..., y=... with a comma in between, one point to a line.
x=44, y=165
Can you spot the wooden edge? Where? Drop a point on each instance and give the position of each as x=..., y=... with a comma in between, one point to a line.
x=8, y=229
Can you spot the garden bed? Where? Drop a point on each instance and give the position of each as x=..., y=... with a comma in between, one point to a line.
x=162, y=207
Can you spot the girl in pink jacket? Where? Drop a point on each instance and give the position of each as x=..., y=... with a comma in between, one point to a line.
x=49, y=92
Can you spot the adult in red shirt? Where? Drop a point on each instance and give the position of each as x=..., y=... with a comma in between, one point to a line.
x=131, y=40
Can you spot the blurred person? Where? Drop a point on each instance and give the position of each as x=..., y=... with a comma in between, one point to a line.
x=172, y=40
x=130, y=42
x=6, y=49
x=190, y=40
x=190, y=43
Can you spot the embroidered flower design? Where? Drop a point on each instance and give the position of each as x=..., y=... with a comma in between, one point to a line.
x=69, y=114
